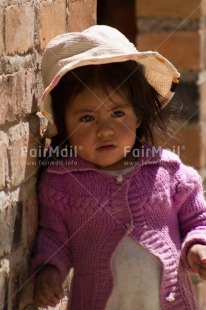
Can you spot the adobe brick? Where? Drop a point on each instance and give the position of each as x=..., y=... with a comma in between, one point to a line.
x=171, y=9
x=19, y=94
x=23, y=151
x=202, y=103
x=30, y=201
x=4, y=272
x=82, y=14
x=3, y=160
x=52, y=20
x=19, y=141
x=189, y=143
x=1, y=31
x=181, y=48
x=153, y=24
x=191, y=137
x=7, y=220
x=17, y=230
x=8, y=105
x=29, y=88
x=19, y=28
x=32, y=163
x=203, y=8
x=3, y=165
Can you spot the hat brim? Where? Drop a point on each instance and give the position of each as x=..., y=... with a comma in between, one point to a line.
x=159, y=72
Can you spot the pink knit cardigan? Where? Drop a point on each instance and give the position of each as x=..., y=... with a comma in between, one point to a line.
x=84, y=215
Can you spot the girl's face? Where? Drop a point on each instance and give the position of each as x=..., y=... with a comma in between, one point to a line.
x=102, y=128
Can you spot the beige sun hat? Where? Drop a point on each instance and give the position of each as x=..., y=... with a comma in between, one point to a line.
x=101, y=45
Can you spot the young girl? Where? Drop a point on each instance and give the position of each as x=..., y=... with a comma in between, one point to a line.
x=129, y=217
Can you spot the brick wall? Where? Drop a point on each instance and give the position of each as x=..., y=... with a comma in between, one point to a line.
x=25, y=28
x=177, y=30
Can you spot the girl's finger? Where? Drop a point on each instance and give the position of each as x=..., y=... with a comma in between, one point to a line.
x=49, y=295
x=52, y=299
x=41, y=301
x=45, y=302
x=56, y=288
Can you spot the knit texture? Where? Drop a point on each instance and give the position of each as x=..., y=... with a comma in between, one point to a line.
x=84, y=215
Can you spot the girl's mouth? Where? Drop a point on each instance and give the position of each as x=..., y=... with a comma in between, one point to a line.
x=105, y=148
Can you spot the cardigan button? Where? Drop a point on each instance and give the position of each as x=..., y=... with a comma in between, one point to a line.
x=127, y=225
x=119, y=178
x=171, y=297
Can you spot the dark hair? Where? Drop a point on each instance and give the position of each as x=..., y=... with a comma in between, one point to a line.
x=129, y=79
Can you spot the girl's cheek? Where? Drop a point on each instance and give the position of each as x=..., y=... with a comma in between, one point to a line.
x=129, y=125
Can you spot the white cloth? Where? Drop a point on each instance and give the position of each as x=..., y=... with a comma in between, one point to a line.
x=137, y=274
x=137, y=278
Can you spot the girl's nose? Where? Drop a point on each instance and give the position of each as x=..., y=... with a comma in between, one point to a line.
x=104, y=129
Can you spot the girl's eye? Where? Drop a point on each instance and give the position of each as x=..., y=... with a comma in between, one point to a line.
x=118, y=114
x=87, y=118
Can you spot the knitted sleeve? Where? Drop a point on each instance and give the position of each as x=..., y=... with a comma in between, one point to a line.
x=192, y=210
x=52, y=242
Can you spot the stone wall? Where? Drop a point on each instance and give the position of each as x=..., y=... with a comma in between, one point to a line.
x=25, y=29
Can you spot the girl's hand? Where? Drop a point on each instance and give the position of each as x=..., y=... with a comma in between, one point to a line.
x=48, y=287
x=196, y=258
